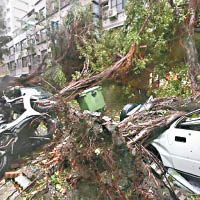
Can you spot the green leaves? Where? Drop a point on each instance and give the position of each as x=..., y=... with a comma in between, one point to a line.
x=177, y=84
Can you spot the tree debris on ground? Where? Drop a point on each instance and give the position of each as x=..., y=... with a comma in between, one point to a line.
x=91, y=157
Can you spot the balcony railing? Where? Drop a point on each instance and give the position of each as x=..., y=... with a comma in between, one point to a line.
x=11, y=57
x=52, y=7
x=63, y=3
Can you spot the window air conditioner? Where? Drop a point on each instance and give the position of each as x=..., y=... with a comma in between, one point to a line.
x=112, y=13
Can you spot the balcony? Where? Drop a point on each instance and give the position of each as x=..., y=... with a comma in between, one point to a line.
x=40, y=16
x=63, y=3
x=4, y=70
x=11, y=57
x=52, y=7
x=43, y=37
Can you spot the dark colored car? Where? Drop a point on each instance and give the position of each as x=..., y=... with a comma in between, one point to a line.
x=39, y=98
x=17, y=91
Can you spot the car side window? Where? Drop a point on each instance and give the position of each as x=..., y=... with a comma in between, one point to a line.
x=17, y=92
x=9, y=93
x=191, y=122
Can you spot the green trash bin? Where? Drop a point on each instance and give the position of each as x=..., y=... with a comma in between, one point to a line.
x=91, y=99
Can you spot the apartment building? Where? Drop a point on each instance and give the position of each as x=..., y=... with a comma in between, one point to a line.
x=14, y=11
x=113, y=14
x=30, y=41
x=2, y=17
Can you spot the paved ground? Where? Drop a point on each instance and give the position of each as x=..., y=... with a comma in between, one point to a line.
x=19, y=179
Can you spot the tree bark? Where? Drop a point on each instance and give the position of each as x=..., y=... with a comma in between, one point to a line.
x=190, y=46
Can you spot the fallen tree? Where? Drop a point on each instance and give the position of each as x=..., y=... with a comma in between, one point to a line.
x=91, y=157
x=90, y=149
x=97, y=154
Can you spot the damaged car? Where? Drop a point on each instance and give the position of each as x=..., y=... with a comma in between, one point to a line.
x=178, y=146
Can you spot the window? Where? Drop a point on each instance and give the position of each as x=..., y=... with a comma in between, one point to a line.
x=17, y=92
x=54, y=5
x=29, y=60
x=54, y=26
x=43, y=53
x=24, y=62
x=9, y=92
x=37, y=37
x=19, y=63
x=119, y=4
x=18, y=47
x=34, y=59
x=43, y=35
x=12, y=66
x=12, y=50
x=191, y=122
x=24, y=44
x=95, y=9
x=41, y=14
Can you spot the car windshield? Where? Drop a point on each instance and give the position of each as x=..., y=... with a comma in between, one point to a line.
x=35, y=91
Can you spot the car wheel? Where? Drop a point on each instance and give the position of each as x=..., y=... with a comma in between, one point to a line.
x=126, y=109
x=44, y=127
x=155, y=161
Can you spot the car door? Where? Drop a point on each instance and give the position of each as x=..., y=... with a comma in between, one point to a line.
x=184, y=138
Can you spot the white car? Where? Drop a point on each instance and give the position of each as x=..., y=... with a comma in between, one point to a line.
x=179, y=146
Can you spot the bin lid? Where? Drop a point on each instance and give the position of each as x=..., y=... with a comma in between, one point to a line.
x=89, y=90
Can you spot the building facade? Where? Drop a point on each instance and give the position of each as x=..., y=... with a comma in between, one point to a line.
x=14, y=11
x=2, y=17
x=113, y=14
x=30, y=41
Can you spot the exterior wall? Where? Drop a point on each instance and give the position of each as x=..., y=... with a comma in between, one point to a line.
x=113, y=13
x=15, y=10
x=30, y=42
x=40, y=33
x=85, y=2
x=2, y=15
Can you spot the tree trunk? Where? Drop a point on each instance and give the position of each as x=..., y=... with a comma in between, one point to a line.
x=190, y=47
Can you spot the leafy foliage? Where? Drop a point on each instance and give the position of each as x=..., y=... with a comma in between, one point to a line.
x=2, y=23
x=155, y=44
x=102, y=51
x=176, y=84
x=55, y=76
x=3, y=41
x=3, y=38
x=76, y=26
x=155, y=27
